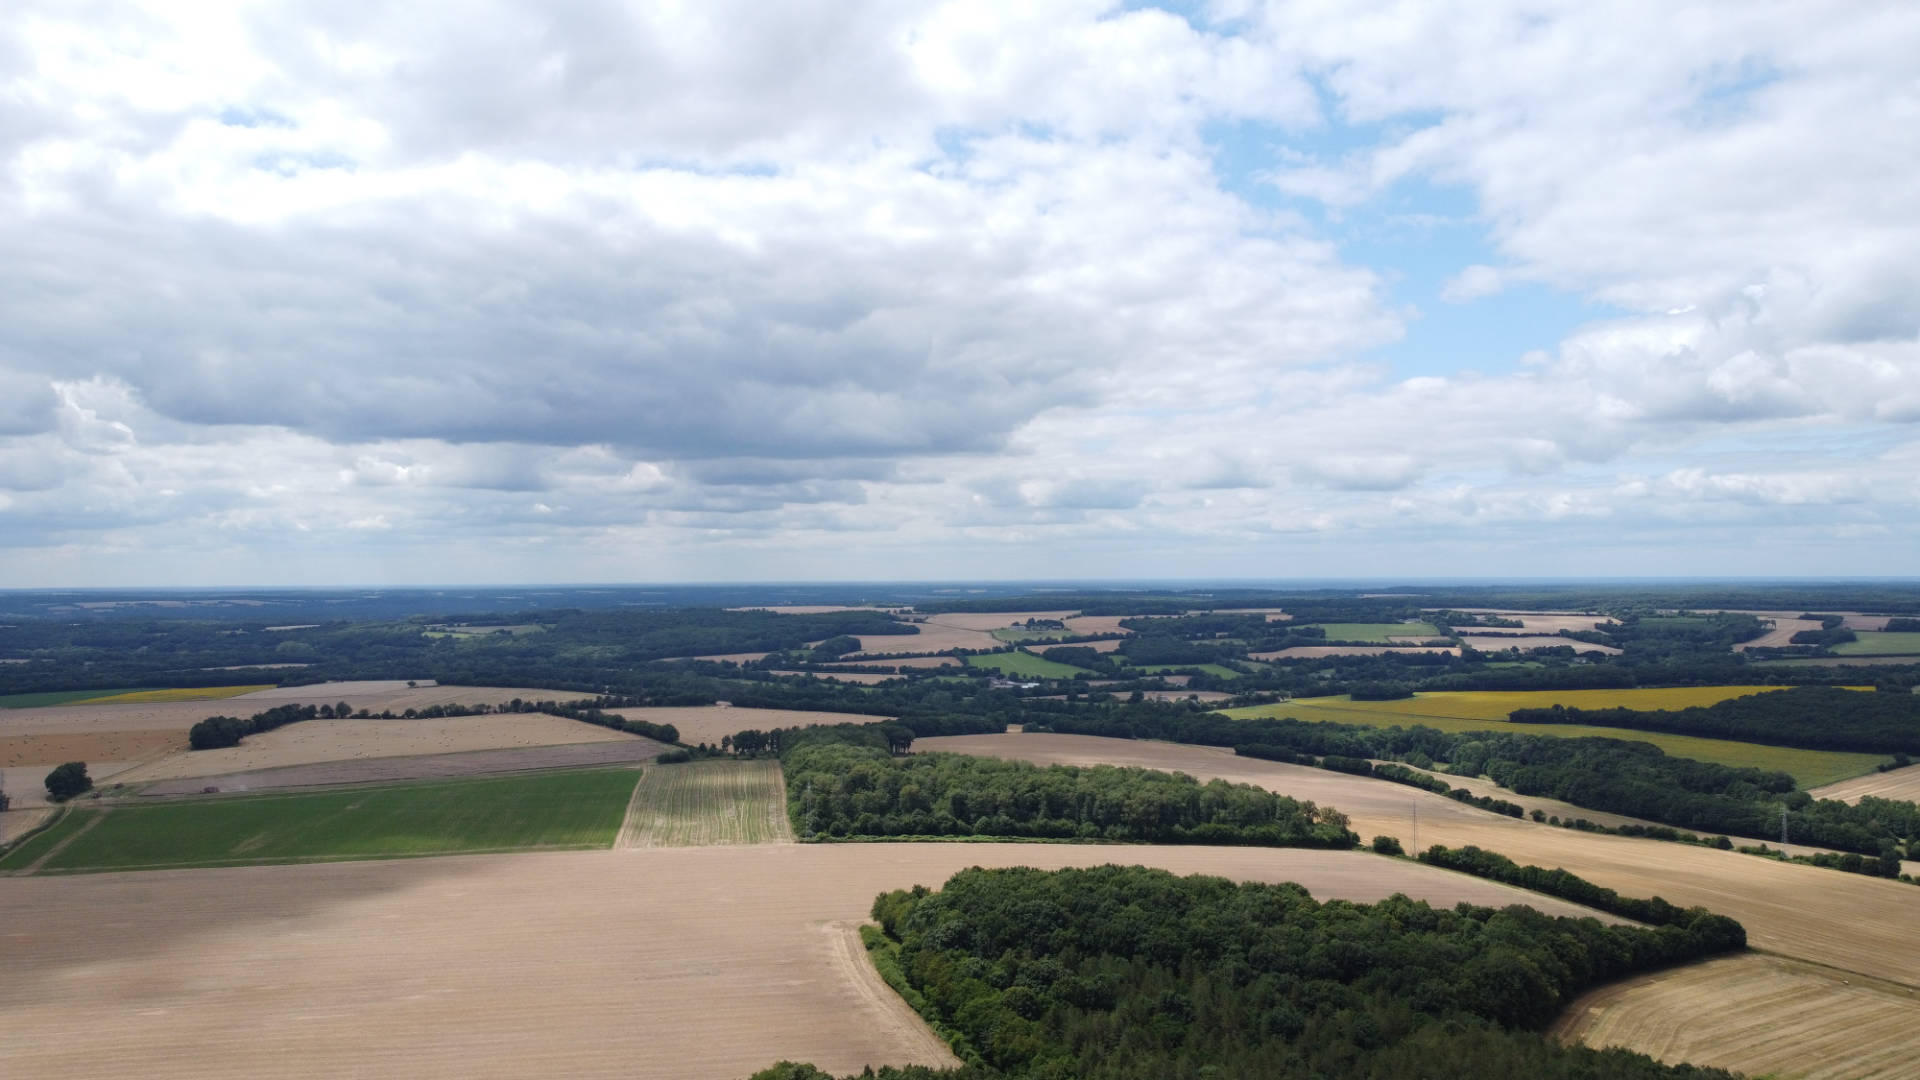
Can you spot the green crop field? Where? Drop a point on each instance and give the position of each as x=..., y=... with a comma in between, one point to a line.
x=571, y=809
x=1022, y=664
x=1471, y=710
x=1376, y=633
x=1880, y=643
x=708, y=802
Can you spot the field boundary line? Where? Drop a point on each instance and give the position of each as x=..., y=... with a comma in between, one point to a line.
x=65, y=842
x=909, y=1028
x=629, y=832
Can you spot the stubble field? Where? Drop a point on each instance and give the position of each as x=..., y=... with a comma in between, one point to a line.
x=1848, y=921
x=708, y=802
x=671, y=963
x=1757, y=1014
x=1903, y=784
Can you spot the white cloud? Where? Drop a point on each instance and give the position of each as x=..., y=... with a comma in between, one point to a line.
x=734, y=287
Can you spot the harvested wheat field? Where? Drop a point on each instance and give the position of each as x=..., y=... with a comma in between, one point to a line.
x=1780, y=636
x=1098, y=624
x=1848, y=921
x=708, y=802
x=17, y=822
x=672, y=963
x=707, y=723
x=312, y=741
x=372, y=770
x=1756, y=1014
x=1903, y=784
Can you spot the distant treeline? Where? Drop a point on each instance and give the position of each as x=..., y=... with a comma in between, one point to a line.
x=1126, y=973
x=1811, y=717
x=842, y=782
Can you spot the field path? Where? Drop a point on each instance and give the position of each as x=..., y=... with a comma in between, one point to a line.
x=1848, y=921
x=65, y=842
x=898, y=1021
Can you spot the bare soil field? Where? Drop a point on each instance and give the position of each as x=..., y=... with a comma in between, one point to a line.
x=1097, y=624
x=1297, y=652
x=1901, y=784
x=415, y=767
x=706, y=723
x=1848, y=921
x=1756, y=1014
x=722, y=960
x=1496, y=643
x=708, y=802
x=140, y=731
x=314, y=741
x=18, y=822
x=1780, y=636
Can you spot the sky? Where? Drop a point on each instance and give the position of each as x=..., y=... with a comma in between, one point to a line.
x=365, y=293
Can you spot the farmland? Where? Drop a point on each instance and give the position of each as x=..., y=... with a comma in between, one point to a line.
x=346, y=740
x=708, y=802
x=721, y=959
x=1756, y=1014
x=1880, y=643
x=1846, y=921
x=709, y=723
x=1457, y=711
x=1024, y=665
x=566, y=809
x=1901, y=784
x=1220, y=670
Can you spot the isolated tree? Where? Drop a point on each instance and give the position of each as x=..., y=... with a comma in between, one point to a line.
x=68, y=780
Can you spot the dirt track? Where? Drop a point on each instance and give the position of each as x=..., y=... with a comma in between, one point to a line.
x=681, y=963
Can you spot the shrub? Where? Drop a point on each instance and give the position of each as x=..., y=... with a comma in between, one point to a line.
x=1387, y=845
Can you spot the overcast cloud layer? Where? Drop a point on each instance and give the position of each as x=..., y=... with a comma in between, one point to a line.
x=355, y=292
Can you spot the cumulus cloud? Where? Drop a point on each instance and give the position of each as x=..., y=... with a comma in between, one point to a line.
x=709, y=290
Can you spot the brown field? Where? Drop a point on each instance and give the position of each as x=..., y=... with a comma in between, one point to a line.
x=706, y=723
x=1098, y=624
x=1852, y=620
x=1496, y=643
x=1757, y=1014
x=415, y=767
x=812, y=609
x=132, y=733
x=1847, y=921
x=1780, y=636
x=1903, y=784
x=1297, y=652
x=683, y=963
x=1105, y=645
x=17, y=822
x=864, y=678
x=314, y=741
